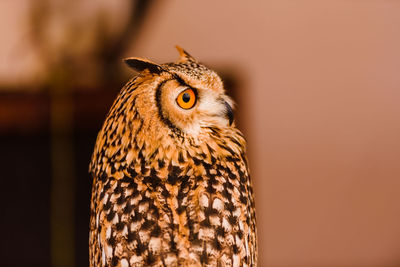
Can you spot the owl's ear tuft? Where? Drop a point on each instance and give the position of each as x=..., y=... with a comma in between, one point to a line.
x=184, y=56
x=140, y=64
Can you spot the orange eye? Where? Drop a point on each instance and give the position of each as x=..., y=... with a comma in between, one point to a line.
x=186, y=99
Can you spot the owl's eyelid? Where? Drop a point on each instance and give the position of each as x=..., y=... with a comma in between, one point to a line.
x=184, y=84
x=183, y=90
x=186, y=87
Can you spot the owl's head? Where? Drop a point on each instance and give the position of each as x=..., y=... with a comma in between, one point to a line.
x=185, y=96
x=165, y=113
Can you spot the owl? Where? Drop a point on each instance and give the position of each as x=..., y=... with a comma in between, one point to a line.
x=171, y=184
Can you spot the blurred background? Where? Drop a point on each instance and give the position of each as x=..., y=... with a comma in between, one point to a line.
x=318, y=90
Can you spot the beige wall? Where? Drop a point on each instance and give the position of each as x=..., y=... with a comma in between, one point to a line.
x=321, y=112
x=322, y=117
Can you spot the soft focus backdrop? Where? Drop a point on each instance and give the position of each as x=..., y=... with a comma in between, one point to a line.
x=318, y=90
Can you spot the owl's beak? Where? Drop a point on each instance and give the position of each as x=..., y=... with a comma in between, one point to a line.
x=229, y=113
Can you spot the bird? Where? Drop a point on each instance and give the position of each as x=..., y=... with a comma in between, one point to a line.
x=171, y=182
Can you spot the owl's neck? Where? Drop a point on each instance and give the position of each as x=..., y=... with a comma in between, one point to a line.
x=136, y=148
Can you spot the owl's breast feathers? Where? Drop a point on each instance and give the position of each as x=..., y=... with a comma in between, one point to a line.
x=175, y=207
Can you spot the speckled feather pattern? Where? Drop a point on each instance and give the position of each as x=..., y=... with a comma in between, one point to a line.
x=164, y=194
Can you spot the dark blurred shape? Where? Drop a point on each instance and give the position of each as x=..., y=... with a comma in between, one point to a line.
x=110, y=50
x=24, y=114
x=25, y=174
x=64, y=58
x=28, y=161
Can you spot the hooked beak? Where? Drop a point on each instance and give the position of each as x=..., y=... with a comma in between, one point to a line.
x=229, y=113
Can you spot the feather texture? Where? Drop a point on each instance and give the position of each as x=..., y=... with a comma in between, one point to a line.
x=171, y=186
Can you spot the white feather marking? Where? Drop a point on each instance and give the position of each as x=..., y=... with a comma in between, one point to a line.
x=103, y=257
x=108, y=232
x=135, y=260
x=226, y=224
x=155, y=244
x=217, y=204
x=109, y=251
x=204, y=201
x=116, y=219
x=235, y=261
x=125, y=231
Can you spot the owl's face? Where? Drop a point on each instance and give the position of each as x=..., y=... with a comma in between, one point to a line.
x=184, y=96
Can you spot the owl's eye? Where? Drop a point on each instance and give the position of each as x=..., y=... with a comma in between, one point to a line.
x=186, y=99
